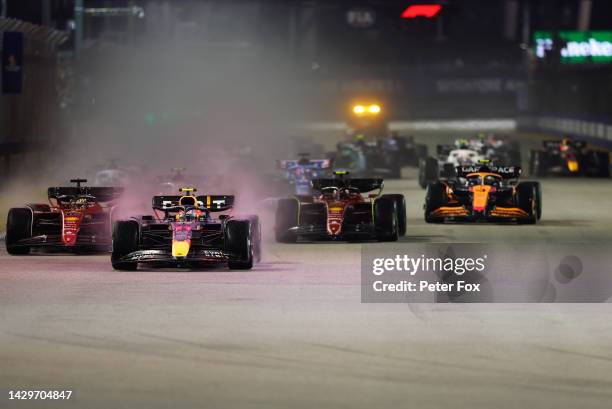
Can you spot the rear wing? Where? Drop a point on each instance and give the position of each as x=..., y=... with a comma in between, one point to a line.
x=506, y=172
x=102, y=194
x=312, y=163
x=363, y=185
x=557, y=144
x=213, y=203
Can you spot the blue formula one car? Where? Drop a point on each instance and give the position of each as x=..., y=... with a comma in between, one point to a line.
x=300, y=172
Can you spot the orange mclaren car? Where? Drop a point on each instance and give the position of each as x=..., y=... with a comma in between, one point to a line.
x=484, y=193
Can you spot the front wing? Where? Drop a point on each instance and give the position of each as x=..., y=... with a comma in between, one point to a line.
x=497, y=214
x=195, y=255
x=55, y=241
x=363, y=231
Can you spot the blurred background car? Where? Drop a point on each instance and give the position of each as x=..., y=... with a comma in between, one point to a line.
x=570, y=158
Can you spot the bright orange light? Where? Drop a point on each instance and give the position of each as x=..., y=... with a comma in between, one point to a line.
x=359, y=109
x=374, y=109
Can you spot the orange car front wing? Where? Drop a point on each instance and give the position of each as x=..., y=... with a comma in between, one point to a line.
x=460, y=211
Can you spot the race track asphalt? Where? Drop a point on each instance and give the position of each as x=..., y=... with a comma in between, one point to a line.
x=293, y=332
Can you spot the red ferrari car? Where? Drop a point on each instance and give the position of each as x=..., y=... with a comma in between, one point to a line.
x=342, y=208
x=76, y=218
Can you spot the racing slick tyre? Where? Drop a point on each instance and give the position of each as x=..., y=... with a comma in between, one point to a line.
x=420, y=153
x=537, y=163
x=395, y=170
x=435, y=197
x=386, y=220
x=514, y=157
x=527, y=199
x=532, y=161
x=428, y=171
x=126, y=239
x=256, y=237
x=602, y=159
x=538, y=197
x=18, y=227
x=286, y=218
x=400, y=205
x=239, y=243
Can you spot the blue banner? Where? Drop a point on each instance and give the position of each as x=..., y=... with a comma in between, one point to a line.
x=12, y=62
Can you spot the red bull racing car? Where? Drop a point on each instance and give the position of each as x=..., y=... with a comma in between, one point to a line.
x=342, y=208
x=567, y=157
x=76, y=218
x=484, y=193
x=183, y=232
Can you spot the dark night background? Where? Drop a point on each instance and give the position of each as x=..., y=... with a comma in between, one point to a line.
x=150, y=71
